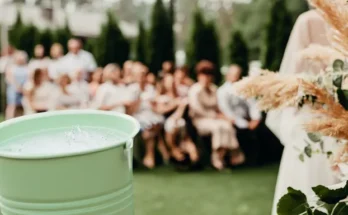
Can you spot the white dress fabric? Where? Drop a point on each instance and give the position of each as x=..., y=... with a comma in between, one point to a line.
x=70, y=101
x=145, y=115
x=109, y=94
x=287, y=124
x=55, y=69
x=38, y=64
x=171, y=124
x=182, y=90
x=83, y=60
x=237, y=108
x=42, y=97
x=80, y=89
x=5, y=63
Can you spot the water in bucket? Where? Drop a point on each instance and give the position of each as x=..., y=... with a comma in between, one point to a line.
x=61, y=141
x=67, y=163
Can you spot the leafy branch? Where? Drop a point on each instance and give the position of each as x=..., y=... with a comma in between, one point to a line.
x=331, y=202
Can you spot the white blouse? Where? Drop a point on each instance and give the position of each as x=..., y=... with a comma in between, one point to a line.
x=109, y=94
x=42, y=96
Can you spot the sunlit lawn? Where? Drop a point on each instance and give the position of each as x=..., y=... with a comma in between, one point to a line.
x=238, y=192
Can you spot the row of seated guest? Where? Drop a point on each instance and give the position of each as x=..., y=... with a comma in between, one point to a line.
x=19, y=70
x=159, y=105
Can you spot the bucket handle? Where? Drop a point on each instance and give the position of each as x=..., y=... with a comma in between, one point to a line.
x=128, y=153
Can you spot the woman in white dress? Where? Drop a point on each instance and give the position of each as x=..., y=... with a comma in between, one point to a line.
x=80, y=88
x=112, y=94
x=38, y=93
x=182, y=81
x=55, y=65
x=287, y=124
x=128, y=76
x=65, y=99
x=172, y=106
x=143, y=109
x=95, y=82
x=39, y=61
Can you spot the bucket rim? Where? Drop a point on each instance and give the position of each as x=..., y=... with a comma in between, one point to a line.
x=117, y=143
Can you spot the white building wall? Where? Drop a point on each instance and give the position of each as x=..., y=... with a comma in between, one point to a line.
x=81, y=23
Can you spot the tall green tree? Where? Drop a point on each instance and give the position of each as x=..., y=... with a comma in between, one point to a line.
x=171, y=38
x=160, y=42
x=28, y=37
x=204, y=45
x=141, y=44
x=276, y=36
x=90, y=45
x=15, y=31
x=196, y=44
x=239, y=52
x=45, y=38
x=251, y=20
x=111, y=46
x=62, y=36
x=212, y=49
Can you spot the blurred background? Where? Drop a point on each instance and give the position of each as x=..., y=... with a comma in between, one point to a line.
x=250, y=33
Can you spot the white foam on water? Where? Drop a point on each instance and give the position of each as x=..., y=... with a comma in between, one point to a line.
x=61, y=141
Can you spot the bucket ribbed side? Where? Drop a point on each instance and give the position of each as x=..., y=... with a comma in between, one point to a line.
x=115, y=203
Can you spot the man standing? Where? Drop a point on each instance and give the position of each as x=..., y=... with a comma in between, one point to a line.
x=77, y=58
x=243, y=113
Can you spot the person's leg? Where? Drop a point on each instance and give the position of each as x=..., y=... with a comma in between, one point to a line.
x=218, y=149
x=10, y=111
x=10, y=103
x=19, y=111
x=149, y=139
x=161, y=144
x=207, y=126
x=230, y=142
x=172, y=133
x=189, y=147
x=249, y=145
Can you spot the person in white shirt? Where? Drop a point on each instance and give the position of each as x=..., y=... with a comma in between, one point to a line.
x=6, y=58
x=182, y=81
x=38, y=93
x=79, y=87
x=77, y=58
x=39, y=61
x=243, y=113
x=54, y=67
x=64, y=98
x=112, y=94
x=128, y=77
x=143, y=109
x=16, y=76
x=96, y=82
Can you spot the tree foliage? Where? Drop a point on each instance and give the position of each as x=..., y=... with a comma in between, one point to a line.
x=239, y=52
x=141, y=54
x=45, y=38
x=27, y=39
x=62, y=36
x=161, y=37
x=204, y=44
x=250, y=19
x=276, y=35
x=15, y=31
x=111, y=46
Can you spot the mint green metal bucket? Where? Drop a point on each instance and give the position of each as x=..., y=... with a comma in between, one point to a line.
x=90, y=182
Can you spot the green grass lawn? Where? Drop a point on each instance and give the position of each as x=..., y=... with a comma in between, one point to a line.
x=238, y=192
